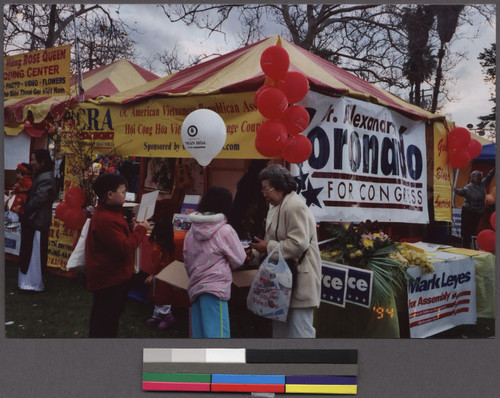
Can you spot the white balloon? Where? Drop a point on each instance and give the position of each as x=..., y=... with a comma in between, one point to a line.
x=203, y=134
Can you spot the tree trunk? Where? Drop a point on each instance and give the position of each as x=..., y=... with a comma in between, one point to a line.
x=439, y=75
x=50, y=41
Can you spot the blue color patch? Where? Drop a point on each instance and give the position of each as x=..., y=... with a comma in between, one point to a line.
x=247, y=379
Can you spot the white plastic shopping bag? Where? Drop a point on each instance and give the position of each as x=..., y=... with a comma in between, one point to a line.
x=271, y=289
x=77, y=258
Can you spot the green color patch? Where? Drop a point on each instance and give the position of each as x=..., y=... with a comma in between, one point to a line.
x=177, y=377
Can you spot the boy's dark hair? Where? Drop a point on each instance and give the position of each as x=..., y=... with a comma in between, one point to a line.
x=216, y=200
x=42, y=156
x=107, y=182
x=163, y=234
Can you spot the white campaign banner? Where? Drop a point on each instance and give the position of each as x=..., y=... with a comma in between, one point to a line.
x=442, y=300
x=368, y=162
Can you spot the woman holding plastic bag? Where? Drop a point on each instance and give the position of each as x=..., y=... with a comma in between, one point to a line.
x=291, y=225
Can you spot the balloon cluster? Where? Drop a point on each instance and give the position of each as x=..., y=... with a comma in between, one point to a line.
x=279, y=135
x=462, y=148
x=486, y=238
x=70, y=210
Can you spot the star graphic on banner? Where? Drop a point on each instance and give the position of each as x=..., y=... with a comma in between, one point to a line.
x=301, y=182
x=311, y=195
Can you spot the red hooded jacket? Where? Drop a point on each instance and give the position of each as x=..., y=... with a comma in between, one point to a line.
x=110, y=248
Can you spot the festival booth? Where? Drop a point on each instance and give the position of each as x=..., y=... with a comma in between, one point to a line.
x=372, y=157
x=29, y=124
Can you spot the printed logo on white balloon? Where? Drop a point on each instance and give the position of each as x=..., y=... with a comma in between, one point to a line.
x=203, y=134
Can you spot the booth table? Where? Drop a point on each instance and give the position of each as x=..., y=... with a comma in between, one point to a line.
x=392, y=322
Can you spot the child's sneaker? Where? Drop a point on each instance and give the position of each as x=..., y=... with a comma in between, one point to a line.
x=167, y=322
x=153, y=321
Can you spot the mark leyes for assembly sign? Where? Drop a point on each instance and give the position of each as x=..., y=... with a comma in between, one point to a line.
x=443, y=299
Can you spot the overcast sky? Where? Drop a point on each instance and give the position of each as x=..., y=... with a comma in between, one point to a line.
x=156, y=33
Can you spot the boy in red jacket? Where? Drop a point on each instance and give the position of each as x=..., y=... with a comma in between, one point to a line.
x=109, y=255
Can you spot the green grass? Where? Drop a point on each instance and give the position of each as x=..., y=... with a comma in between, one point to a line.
x=63, y=310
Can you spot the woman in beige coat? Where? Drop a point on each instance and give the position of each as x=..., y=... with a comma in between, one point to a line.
x=291, y=224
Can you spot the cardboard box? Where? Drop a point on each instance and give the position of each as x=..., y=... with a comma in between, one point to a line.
x=170, y=285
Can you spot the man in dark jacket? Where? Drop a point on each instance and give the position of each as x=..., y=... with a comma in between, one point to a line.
x=474, y=203
x=35, y=223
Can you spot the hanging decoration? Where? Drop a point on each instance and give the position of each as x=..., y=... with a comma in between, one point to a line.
x=280, y=134
x=203, y=134
x=486, y=238
x=462, y=148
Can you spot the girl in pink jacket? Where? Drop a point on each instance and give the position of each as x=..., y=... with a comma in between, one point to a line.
x=211, y=249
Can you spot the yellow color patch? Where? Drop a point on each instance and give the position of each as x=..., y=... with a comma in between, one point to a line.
x=321, y=389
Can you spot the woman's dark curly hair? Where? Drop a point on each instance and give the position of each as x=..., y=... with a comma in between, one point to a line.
x=279, y=178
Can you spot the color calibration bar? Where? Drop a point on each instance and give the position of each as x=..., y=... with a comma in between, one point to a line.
x=251, y=370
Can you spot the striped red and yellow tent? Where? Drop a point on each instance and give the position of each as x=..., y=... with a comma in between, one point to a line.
x=107, y=80
x=240, y=71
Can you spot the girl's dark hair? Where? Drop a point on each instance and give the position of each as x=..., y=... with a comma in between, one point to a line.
x=107, y=182
x=216, y=200
x=42, y=156
x=163, y=234
x=279, y=178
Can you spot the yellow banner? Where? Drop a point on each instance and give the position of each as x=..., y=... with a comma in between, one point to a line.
x=61, y=238
x=61, y=241
x=37, y=73
x=442, y=180
x=153, y=128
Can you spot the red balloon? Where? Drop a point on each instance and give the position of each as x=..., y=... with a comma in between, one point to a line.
x=275, y=61
x=489, y=200
x=486, y=240
x=492, y=220
x=297, y=149
x=75, y=197
x=474, y=148
x=271, y=135
x=295, y=86
x=458, y=158
x=61, y=210
x=296, y=119
x=458, y=138
x=272, y=103
x=75, y=218
x=259, y=92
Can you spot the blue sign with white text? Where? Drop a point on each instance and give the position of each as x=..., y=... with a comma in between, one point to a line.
x=333, y=284
x=359, y=286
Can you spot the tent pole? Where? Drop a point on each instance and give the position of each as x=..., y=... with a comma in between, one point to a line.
x=81, y=95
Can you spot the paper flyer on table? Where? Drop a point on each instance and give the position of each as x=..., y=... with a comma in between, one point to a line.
x=147, y=207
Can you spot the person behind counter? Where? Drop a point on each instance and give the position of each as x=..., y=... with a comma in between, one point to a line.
x=109, y=254
x=35, y=223
x=474, y=203
x=163, y=247
x=211, y=249
x=291, y=225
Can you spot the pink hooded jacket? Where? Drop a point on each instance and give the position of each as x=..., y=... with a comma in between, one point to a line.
x=211, y=249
